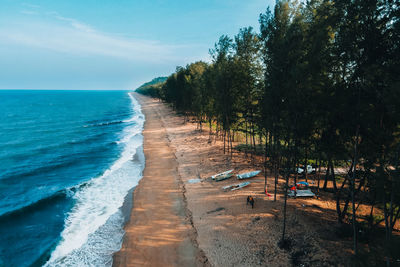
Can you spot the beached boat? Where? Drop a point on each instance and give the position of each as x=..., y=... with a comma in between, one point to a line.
x=220, y=174
x=301, y=193
x=247, y=175
x=301, y=190
x=233, y=187
x=223, y=177
x=241, y=185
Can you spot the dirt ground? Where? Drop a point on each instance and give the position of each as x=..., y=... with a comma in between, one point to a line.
x=221, y=229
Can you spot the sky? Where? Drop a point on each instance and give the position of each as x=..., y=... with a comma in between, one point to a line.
x=111, y=44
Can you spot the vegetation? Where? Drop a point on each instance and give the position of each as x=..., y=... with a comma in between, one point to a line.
x=152, y=88
x=320, y=83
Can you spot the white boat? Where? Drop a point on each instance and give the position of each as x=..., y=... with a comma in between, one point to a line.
x=233, y=187
x=221, y=174
x=301, y=193
x=223, y=177
x=241, y=185
x=247, y=175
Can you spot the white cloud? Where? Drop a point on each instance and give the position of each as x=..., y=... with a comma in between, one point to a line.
x=30, y=5
x=73, y=22
x=68, y=35
x=28, y=12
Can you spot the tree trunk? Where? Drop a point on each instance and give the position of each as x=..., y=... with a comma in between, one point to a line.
x=210, y=123
x=265, y=165
x=254, y=138
x=284, y=209
x=247, y=143
x=295, y=164
x=333, y=174
x=232, y=143
x=353, y=180
x=224, y=140
x=319, y=172
x=390, y=217
x=276, y=179
x=371, y=214
x=270, y=148
x=276, y=163
x=326, y=177
x=341, y=213
x=287, y=173
x=306, y=163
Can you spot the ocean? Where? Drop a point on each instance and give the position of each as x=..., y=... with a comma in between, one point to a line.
x=68, y=162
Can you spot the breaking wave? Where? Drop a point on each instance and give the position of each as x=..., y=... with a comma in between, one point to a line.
x=93, y=229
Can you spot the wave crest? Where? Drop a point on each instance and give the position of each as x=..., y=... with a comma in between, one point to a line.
x=93, y=228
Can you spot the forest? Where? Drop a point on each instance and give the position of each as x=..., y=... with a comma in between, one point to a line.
x=318, y=84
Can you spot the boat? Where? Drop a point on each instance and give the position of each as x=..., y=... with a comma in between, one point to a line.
x=223, y=177
x=300, y=190
x=247, y=175
x=301, y=193
x=233, y=187
x=241, y=185
x=221, y=174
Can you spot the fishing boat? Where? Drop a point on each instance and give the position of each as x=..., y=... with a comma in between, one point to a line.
x=300, y=190
x=301, y=193
x=233, y=187
x=241, y=185
x=247, y=175
x=223, y=177
x=221, y=174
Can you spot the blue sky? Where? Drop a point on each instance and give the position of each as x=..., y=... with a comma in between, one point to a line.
x=113, y=44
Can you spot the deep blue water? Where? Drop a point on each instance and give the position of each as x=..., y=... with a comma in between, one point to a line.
x=67, y=161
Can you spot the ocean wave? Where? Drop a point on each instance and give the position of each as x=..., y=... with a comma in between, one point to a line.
x=12, y=176
x=25, y=158
x=138, y=117
x=134, y=119
x=33, y=206
x=93, y=228
x=47, y=200
x=105, y=123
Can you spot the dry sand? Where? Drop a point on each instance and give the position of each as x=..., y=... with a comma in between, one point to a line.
x=159, y=232
x=178, y=223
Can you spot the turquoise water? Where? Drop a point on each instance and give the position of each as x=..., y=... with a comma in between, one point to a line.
x=67, y=161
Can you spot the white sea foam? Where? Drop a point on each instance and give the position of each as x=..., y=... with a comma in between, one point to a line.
x=93, y=229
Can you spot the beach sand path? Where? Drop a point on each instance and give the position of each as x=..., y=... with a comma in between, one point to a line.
x=159, y=232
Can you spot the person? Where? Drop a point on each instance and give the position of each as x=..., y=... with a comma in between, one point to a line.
x=250, y=200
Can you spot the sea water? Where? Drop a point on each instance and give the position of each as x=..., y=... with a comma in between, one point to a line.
x=68, y=159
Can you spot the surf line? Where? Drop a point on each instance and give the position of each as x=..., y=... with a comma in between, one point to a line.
x=93, y=229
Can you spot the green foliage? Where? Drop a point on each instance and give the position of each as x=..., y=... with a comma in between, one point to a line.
x=259, y=149
x=152, y=88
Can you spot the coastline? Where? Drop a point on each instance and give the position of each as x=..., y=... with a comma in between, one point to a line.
x=177, y=222
x=159, y=222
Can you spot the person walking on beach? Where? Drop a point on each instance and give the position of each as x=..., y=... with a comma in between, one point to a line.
x=250, y=200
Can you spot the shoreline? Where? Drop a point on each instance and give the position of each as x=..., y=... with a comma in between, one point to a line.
x=127, y=206
x=159, y=222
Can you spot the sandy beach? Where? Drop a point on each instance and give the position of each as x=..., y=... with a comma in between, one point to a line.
x=178, y=222
x=159, y=232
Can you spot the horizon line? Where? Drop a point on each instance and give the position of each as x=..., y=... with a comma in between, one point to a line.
x=47, y=89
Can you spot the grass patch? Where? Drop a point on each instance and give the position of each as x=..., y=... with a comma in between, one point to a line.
x=257, y=150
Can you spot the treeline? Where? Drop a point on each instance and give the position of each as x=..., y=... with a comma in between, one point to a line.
x=152, y=88
x=319, y=83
